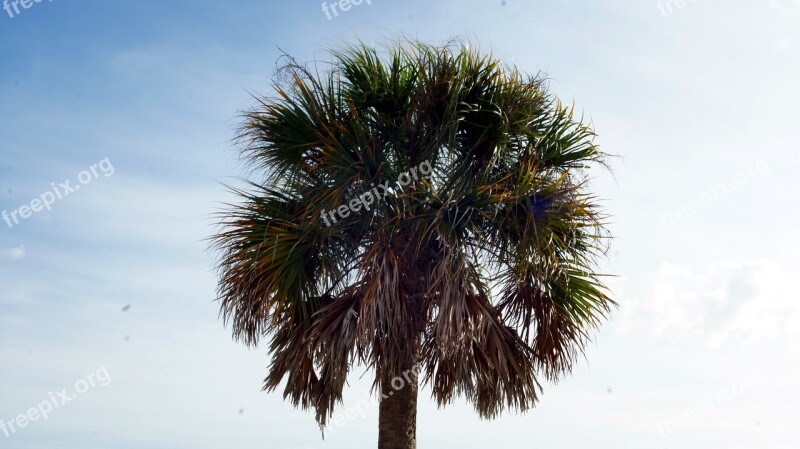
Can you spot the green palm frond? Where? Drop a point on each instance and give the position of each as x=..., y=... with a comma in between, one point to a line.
x=486, y=267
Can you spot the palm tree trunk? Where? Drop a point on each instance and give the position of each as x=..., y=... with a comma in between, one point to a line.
x=397, y=422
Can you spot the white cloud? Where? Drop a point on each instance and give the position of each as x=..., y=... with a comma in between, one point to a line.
x=747, y=301
x=17, y=253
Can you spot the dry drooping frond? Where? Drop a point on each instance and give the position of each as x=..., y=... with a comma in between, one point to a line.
x=423, y=203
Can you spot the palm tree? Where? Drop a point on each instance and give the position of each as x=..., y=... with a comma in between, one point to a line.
x=472, y=268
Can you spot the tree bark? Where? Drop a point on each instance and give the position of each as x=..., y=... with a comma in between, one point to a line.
x=397, y=421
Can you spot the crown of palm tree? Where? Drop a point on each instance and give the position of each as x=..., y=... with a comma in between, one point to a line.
x=483, y=271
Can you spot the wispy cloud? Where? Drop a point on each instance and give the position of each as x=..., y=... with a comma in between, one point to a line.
x=17, y=253
x=747, y=301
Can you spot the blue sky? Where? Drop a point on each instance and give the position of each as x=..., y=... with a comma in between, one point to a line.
x=699, y=101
